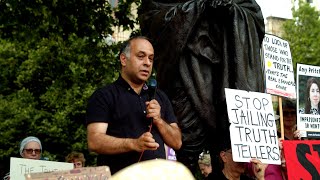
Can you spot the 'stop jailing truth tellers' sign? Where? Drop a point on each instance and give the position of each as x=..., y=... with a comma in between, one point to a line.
x=253, y=129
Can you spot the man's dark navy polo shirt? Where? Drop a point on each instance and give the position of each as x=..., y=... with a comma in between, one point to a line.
x=125, y=112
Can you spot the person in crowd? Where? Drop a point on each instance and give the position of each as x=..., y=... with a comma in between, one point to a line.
x=205, y=164
x=236, y=170
x=77, y=158
x=231, y=170
x=289, y=119
x=31, y=148
x=277, y=172
x=312, y=98
x=127, y=121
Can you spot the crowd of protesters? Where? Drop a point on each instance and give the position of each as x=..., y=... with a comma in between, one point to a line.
x=113, y=131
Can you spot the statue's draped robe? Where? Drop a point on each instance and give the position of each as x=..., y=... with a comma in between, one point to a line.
x=202, y=47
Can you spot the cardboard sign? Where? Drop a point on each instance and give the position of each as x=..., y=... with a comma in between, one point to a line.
x=302, y=159
x=20, y=166
x=97, y=173
x=253, y=129
x=278, y=67
x=308, y=122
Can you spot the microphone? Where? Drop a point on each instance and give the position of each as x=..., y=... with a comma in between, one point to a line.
x=152, y=89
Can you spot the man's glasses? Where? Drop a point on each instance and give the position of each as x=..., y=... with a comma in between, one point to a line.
x=290, y=113
x=30, y=151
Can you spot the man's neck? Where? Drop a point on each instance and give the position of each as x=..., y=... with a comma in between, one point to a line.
x=135, y=86
x=231, y=175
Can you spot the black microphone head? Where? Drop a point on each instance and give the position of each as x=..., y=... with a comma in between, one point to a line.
x=152, y=83
x=152, y=88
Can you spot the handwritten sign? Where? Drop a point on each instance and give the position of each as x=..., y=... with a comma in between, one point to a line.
x=308, y=121
x=253, y=129
x=278, y=67
x=96, y=173
x=20, y=166
x=302, y=159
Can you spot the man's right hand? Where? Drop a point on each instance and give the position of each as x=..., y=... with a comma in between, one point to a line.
x=145, y=142
x=102, y=143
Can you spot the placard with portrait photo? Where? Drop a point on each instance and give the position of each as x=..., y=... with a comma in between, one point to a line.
x=308, y=106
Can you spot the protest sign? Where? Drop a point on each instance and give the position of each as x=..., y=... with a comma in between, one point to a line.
x=278, y=67
x=21, y=166
x=253, y=129
x=308, y=117
x=171, y=154
x=96, y=173
x=302, y=159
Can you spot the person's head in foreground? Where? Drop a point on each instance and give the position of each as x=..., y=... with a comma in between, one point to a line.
x=157, y=169
x=30, y=148
x=77, y=159
x=205, y=164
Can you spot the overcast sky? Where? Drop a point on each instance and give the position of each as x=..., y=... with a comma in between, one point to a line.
x=277, y=8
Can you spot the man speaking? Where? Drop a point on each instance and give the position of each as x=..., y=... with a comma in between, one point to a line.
x=124, y=124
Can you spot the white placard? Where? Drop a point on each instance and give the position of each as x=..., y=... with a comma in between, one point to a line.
x=307, y=122
x=21, y=166
x=253, y=129
x=278, y=67
x=96, y=173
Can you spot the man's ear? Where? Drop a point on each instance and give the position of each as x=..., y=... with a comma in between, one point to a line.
x=223, y=156
x=123, y=59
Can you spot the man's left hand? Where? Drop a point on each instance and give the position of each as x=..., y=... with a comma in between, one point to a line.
x=153, y=110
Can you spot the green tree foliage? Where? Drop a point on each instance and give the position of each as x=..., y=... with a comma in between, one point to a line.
x=128, y=22
x=303, y=34
x=53, y=55
x=27, y=19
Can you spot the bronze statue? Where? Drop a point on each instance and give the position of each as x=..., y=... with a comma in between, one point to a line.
x=202, y=47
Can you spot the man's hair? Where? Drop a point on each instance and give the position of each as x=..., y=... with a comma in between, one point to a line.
x=126, y=45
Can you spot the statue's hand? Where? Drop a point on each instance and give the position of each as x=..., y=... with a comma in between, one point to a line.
x=218, y=3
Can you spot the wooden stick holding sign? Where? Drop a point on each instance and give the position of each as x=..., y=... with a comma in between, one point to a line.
x=281, y=117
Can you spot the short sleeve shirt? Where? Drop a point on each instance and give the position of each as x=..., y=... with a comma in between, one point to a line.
x=125, y=112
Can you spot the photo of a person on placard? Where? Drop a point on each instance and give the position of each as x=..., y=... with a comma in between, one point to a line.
x=311, y=97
